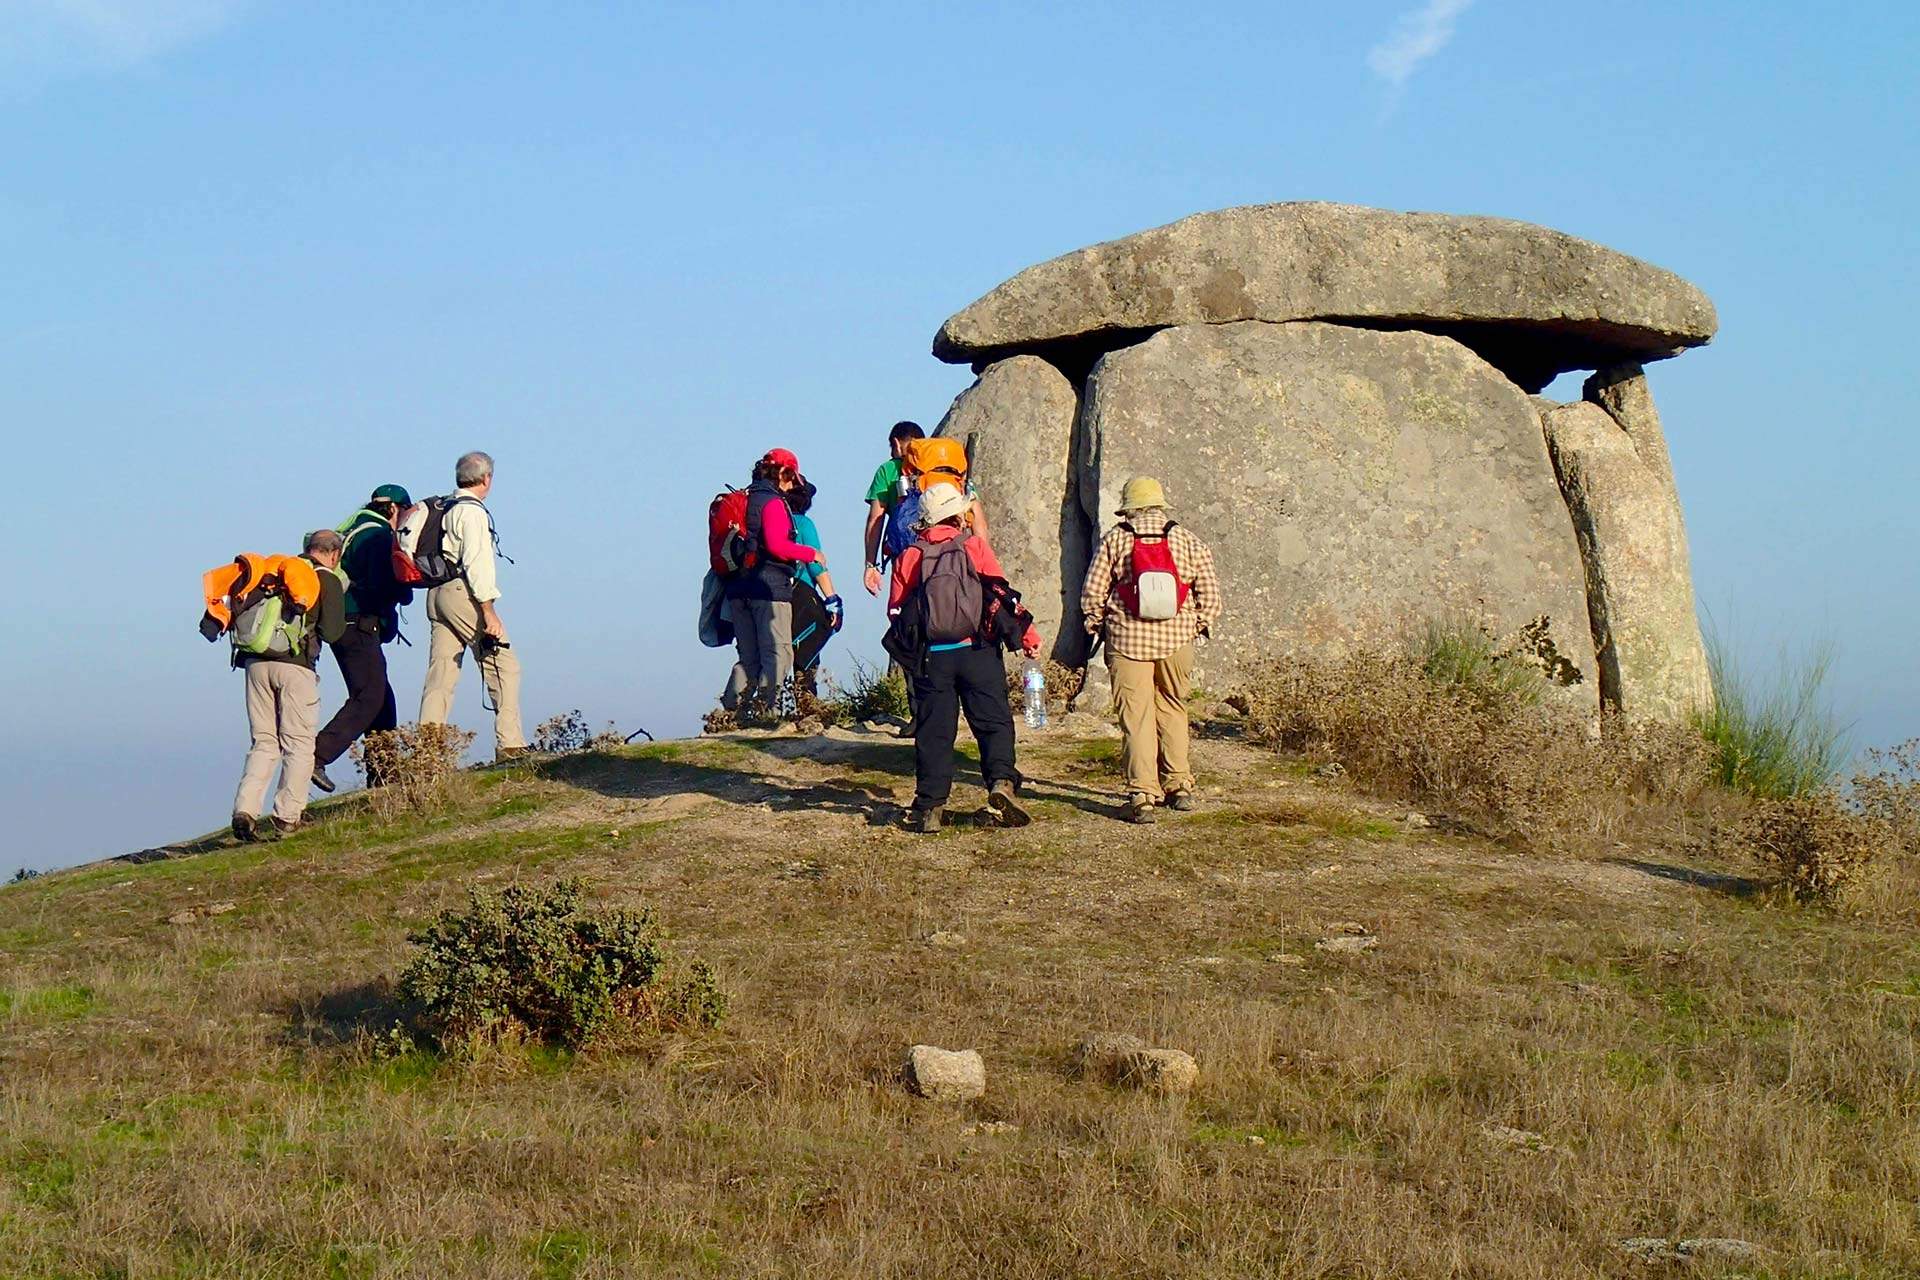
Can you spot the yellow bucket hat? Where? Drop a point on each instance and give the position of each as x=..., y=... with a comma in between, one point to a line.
x=1140, y=493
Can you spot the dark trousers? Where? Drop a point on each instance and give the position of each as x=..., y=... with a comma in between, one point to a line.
x=973, y=679
x=369, y=704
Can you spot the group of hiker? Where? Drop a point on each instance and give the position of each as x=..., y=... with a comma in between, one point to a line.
x=1150, y=592
x=344, y=592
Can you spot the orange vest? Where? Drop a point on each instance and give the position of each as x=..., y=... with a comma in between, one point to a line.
x=221, y=587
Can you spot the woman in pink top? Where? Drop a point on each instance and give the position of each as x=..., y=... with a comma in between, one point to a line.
x=760, y=596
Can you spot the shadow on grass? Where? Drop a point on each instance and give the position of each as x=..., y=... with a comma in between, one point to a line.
x=878, y=805
x=1732, y=886
x=330, y=1019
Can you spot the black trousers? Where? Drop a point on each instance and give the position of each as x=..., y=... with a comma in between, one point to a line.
x=369, y=704
x=973, y=679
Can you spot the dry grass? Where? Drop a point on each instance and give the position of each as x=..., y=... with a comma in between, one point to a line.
x=414, y=769
x=1463, y=734
x=208, y=1100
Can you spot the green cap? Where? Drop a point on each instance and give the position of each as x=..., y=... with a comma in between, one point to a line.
x=391, y=493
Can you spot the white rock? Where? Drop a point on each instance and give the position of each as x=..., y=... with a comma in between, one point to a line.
x=945, y=1075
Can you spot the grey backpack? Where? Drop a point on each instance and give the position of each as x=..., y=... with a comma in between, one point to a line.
x=951, y=592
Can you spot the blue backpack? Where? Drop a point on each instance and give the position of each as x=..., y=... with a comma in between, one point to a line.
x=900, y=523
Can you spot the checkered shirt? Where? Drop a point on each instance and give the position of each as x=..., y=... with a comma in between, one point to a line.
x=1127, y=635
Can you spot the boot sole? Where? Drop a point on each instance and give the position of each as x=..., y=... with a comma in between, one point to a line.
x=1007, y=811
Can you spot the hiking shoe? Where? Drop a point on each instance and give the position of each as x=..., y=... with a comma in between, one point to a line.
x=1140, y=810
x=1180, y=801
x=1006, y=806
x=507, y=755
x=286, y=828
x=321, y=780
x=923, y=821
x=243, y=826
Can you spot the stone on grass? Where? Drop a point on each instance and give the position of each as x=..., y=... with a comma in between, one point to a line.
x=1701, y=1248
x=946, y=938
x=1098, y=1056
x=1347, y=942
x=1159, y=1070
x=945, y=1075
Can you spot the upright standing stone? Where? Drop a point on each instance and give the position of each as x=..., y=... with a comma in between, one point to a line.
x=1619, y=490
x=1018, y=423
x=1353, y=484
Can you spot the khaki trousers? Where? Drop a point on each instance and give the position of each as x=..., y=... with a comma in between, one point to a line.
x=283, y=706
x=454, y=622
x=1151, y=697
x=763, y=634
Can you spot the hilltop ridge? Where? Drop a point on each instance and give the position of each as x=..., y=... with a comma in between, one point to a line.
x=1515, y=1064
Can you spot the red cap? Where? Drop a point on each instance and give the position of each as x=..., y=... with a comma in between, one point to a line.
x=782, y=458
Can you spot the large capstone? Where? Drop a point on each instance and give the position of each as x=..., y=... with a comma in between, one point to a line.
x=1017, y=422
x=1619, y=490
x=1354, y=484
x=1533, y=302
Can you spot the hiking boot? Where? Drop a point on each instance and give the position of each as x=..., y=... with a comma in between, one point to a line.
x=321, y=780
x=1180, y=801
x=507, y=755
x=285, y=828
x=923, y=820
x=243, y=826
x=1140, y=810
x=1006, y=806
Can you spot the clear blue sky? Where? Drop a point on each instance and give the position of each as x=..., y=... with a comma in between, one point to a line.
x=258, y=258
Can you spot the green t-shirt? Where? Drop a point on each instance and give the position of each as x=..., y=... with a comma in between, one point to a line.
x=885, y=488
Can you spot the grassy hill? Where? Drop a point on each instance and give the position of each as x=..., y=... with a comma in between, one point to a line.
x=1538, y=1058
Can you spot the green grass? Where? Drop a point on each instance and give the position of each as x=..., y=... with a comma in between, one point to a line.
x=1774, y=735
x=1454, y=652
x=47, y=1004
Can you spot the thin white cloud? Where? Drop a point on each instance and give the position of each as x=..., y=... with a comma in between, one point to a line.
x=42, y=39
x=1416, y=37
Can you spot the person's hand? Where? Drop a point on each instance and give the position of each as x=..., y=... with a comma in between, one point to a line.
x=492, y=625
x=1031, y=647
x=836, y=611
x=872, y=580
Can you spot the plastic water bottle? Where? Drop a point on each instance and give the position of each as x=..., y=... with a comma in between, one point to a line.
x=1035, y=683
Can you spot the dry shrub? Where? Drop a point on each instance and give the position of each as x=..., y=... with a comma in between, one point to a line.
x=411, y=769
x=1888, y=790
x=1489, y=748
x=1818, y=843
x=871, y=693
x=569, y=734
x=1063, y=685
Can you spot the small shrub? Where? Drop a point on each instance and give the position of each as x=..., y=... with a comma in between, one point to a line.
x=874, y=693
x=1466, y=656
x=569, y=734
x=528, y=964
x=411, y=769
x=1817, y=843
x=1777, y=739
x=1063, y=685
x=1888, y=791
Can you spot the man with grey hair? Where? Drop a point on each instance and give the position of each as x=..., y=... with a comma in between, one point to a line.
x=464, y=613
x=283, y=702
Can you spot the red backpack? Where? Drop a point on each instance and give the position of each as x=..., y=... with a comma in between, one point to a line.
x=1153, y=589
x=729, y=550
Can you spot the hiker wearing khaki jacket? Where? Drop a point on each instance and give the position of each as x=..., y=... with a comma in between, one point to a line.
x=1153, y=589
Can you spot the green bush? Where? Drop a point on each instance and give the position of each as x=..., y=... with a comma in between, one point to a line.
x=1774, y=737
x=873, y=693
x=528, y=963
x=1466, y=657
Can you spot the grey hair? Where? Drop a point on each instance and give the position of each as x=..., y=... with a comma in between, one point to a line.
x=324, y=541
x=472, y=468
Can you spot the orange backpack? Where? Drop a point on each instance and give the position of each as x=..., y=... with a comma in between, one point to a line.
x=936, y=460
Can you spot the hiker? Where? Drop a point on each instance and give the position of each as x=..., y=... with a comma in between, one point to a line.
x=1153, y=589
x=892, y=483
x=373, y=601
x=818, y=612
x=760, y=591
x=952, y=612
x=276, y=612
x=463, y=612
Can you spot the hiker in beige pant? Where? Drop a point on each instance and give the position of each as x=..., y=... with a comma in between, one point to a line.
x=1153, y=589
x=283, y=710
x=283, y=700
x=456, y=627
x=463, y=614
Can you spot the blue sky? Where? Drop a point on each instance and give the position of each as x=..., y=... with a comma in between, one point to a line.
x=257, y=258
